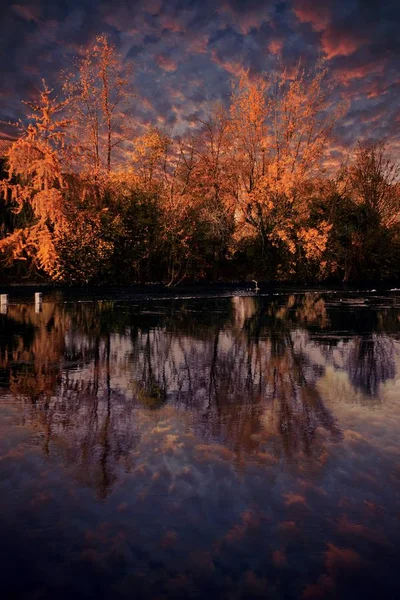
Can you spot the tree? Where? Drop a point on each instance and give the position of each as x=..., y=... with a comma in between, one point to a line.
x=373, y=180
x=282, y=126
x=98, y=87
x=249, y=113
x=210, y=186
x=36, y=183
x=150, y=157
x=196, y=200
x=371, y=185
x=137, y=223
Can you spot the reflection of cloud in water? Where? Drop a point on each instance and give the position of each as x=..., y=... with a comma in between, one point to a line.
x=244, y=308
x=229, y=484
x=248, y=382
x=369, y=362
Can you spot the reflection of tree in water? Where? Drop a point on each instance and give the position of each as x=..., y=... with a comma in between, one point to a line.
x=99, y=425
x=284, y=377
x=75, y=412
x=367, y=357
x=242, y=382
x=150, y=385
x=243, y=371
x=368, y=354
x=370, y=362
x=31, y=347
x=296, y=409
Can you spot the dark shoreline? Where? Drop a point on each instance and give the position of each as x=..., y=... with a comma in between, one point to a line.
x=97, y=292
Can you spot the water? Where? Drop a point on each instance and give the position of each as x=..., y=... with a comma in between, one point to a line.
x=229, y=447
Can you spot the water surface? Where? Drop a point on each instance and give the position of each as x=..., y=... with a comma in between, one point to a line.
x=196, y=447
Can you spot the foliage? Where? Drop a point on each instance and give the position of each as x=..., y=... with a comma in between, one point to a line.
x=243, y=195
x=97, y=87
x=365, y=216
x=36, y=182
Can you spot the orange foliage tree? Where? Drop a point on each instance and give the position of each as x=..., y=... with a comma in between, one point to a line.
x=99, y=87
x=36, y=183
x=282, y=126
x=246, y=187
x=373, y=179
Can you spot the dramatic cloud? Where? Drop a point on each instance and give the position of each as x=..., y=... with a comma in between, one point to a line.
x=185, y=52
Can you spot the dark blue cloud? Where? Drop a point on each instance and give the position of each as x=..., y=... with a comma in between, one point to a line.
x=186, y=51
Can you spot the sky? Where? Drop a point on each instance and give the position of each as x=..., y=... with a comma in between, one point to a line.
x=185, y=53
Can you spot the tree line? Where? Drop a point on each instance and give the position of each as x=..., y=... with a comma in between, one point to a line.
x=88, y=197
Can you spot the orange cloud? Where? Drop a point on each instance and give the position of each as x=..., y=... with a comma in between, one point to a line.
x=288, y=527
x=166, y=64
x=375, y=92
x=339, y=44
x=250, y=521
x=168, y=22
x=201, y=560
x=169, y=539
x=318, y=15
x=177, y=95
x=275, y=46
x=320, y=590
x=348, y=528
x=341, y=559
x=198, y=44
x=337, y=561
x=27, y=12
x=346, y=74
x=146, y=104
x=292, y=498
x=233, y=67
x=257, y=585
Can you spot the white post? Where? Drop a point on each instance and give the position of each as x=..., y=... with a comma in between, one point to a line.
x=3, y=304
x=38, y=302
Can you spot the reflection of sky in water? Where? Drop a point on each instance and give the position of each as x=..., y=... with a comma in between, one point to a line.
x=230, y=447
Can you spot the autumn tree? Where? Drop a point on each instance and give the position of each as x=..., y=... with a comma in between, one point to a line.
x=282, y=125
x=99, y=88
x=150, y=157
x=249, y=113
x=211, y=184
x=67, y=232
x=36, y=184
x=214, y=173
x=366, y=215
x=244, y=194
x=135, y=222
x=159, y=177
x=373, y=180
x=194, y=176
